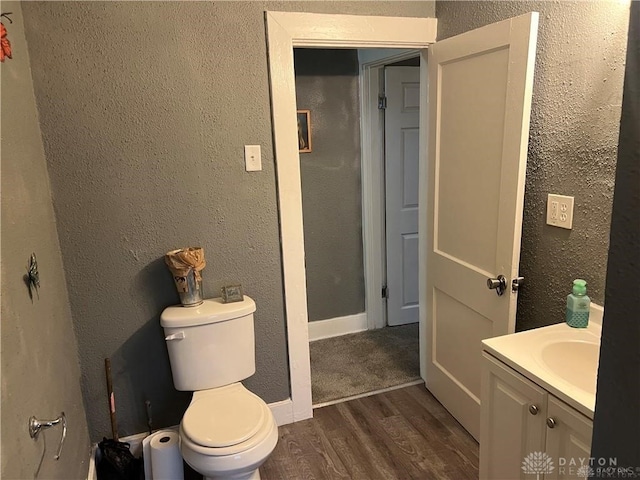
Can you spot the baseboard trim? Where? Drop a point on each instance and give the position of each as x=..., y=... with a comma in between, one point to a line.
x=368, y=394
x=334, y=327
x=282, y=412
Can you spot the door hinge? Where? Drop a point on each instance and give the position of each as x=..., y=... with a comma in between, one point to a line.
x=385, y=292
x=382, y=101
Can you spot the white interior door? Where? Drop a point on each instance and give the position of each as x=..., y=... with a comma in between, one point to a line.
x=480, y=87
x=402, y=121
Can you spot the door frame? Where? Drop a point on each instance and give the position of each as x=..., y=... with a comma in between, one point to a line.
x=286, y=30
x=373, y=198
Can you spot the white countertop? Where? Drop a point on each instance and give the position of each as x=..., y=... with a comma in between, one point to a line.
x=561, y=373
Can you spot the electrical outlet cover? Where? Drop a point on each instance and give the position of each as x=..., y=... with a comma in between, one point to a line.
x=560, y=211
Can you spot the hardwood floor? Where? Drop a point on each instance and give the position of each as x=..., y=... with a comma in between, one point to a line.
x=401, y=434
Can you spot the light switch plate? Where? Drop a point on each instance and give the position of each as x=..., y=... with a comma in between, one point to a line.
x=560, y=211
x=252, y=158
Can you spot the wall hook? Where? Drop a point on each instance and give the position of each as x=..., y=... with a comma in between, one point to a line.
x=6, y=15
x=32, y=278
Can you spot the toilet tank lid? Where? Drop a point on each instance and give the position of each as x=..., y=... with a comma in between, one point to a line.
x=212, y=310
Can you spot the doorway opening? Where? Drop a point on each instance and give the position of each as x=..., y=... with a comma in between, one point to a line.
x=466, y=240
x=359, y=182
x=285, y=31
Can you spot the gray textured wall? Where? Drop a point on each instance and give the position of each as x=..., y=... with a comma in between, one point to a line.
x=144, y=110
x=573, y=141
x=327, y=84
x=617, y=415
x=40, y=369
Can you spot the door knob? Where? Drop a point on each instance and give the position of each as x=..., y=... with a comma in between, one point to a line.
x=516, y=283
x=551, y=423
x=533, y=409
x=498, y=284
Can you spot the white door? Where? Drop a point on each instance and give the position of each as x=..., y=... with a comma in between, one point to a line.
x=401, y=125
x=480, y=87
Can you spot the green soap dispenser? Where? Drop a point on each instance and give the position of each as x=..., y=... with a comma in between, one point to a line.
x=578, y=305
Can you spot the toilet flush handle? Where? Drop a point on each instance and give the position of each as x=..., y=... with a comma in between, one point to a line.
x=175, y=336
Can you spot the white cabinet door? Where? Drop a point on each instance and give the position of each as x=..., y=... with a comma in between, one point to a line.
x=401, y=126
x=480, y=85
x=512, y=421
x=525, y=431
x=568, y=442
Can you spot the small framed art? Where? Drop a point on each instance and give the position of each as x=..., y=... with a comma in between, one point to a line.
x=232, y=293
x=304, y=131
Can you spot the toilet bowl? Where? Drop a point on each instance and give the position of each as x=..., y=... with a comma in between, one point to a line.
x=227, y=433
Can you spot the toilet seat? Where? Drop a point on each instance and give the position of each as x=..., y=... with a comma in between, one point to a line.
x=225, y=421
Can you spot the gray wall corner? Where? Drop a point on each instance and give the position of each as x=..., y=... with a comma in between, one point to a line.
x=40, y=364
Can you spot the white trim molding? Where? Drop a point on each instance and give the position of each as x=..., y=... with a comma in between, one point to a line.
x=282, y=412
x=335, y=327
x=286, y=30
x=369, y=394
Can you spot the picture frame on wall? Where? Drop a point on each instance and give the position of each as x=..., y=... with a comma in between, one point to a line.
x=304, y=131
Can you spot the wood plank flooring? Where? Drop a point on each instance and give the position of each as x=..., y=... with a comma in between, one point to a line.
x=402, y=434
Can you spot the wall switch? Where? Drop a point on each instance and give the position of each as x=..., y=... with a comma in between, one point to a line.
x=560, y=211
x=252, y=158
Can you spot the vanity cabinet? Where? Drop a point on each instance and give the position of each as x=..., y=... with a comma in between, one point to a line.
x=518, y=417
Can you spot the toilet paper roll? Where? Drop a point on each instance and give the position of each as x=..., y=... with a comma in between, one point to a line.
x=166, y=461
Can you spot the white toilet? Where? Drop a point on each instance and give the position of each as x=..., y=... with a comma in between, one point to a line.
x=227, y=432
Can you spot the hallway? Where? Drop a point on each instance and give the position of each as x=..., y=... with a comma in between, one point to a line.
x=358, y=363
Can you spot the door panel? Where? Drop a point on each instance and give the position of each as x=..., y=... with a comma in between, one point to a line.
x=451, y=318
x=410, y=168
x=480, y=86
x=410, y=260
x=472, y=166
x=402, y=136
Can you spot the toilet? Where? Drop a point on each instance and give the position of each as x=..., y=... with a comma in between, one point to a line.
x=227, y=431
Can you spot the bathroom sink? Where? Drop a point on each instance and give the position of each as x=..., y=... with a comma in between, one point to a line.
x=574, y=361
x=560, y=359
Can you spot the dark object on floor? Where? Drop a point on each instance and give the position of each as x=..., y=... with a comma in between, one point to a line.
x=116, y=462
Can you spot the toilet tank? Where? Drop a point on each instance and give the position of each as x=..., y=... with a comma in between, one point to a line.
x=210, y=345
